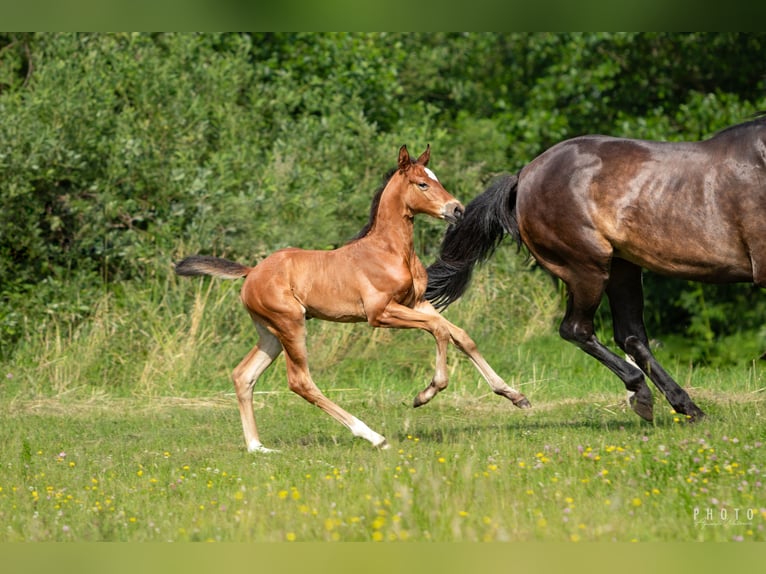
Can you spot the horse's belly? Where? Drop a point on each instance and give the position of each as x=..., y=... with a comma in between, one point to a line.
x=692, y=261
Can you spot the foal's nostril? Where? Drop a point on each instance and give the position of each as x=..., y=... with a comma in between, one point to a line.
x=453, y=211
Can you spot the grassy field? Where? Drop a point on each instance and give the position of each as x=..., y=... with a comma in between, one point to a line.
x=465, y=468
x=126, y=429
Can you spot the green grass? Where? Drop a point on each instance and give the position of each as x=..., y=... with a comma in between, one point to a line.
x=126, y=429
x=464, y=468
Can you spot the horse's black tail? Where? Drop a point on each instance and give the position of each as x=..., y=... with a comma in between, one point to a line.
x=215, y=266
x=472, y=240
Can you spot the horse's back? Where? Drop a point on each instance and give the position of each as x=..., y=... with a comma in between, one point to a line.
x=691, y=209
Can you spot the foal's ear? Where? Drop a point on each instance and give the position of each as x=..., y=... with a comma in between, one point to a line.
x=425, y=156
x=404, y=158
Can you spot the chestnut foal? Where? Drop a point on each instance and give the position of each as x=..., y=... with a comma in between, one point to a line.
x=376, y=277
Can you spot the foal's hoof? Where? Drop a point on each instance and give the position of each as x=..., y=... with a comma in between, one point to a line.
x=262, y=449
x=383, y=446
x=419, y=401
x=642, y=408
x=522, y=403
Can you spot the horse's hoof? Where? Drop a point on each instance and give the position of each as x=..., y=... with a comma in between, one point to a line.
x=696, y=416
x=643, y=409
x=383, y=446
x=418, y=402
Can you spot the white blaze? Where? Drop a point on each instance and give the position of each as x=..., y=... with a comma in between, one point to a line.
x=431, y=174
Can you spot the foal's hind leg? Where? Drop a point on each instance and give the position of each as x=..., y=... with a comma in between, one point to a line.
x=627, y=304
x=292, y=335
x=245, y=376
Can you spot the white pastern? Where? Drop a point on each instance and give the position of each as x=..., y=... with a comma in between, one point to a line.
x=359, y=429
x=631, y=394
x=255, y=446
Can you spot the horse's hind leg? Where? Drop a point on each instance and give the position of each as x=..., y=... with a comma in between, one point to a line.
x=627, y=303
x=759, y=269
x=584, y=295
x=676, y=396
x=245, y=376
x=627, y=306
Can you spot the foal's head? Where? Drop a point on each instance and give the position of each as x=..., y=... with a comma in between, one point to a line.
x=422, y=191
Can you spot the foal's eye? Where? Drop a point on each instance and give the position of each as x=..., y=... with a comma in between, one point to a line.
x=422, y=185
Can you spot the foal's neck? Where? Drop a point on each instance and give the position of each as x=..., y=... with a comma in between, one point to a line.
x=393, y=223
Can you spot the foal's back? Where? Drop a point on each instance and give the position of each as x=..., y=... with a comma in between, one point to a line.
x=345, y=285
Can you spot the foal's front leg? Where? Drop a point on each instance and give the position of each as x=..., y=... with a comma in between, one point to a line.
x=425, y=316
x=397, y=316
x=440, y=379
x=463, y=341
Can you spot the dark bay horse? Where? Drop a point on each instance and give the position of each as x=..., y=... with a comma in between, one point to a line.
x=595, y=210
x=377, y=277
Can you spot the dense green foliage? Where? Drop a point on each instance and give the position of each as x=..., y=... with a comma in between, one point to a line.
x=123, y=151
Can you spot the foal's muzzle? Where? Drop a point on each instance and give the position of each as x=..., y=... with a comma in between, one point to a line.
x=453, y=211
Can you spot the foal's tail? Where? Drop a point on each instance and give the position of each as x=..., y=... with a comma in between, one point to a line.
x=487, y=219
x=215, y=266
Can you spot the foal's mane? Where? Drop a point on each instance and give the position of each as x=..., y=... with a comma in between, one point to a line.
x=374, y=207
